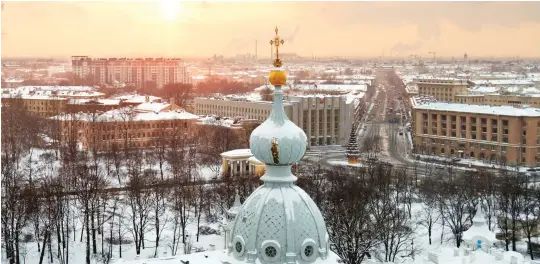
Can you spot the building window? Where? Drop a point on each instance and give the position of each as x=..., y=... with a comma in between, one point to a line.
x=238, y=246
x=270, y=251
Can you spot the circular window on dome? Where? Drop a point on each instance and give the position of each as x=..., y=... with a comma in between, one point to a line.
x=239, y=248
x=270, y=250
x=308, y=252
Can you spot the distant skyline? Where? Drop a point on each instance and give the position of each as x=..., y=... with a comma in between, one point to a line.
x=201, y=29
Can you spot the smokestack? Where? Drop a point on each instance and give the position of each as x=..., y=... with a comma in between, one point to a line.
x=255, y=49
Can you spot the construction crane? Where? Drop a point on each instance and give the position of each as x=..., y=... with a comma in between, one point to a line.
x=434, y=53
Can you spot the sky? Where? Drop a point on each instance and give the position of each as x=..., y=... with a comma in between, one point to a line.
x=202, y=29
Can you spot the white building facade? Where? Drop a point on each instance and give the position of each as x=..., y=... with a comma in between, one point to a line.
x=326, y=119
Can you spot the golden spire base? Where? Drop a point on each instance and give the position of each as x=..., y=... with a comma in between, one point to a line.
x=277, y=76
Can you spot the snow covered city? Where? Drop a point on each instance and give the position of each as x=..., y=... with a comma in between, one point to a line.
x=270, y=132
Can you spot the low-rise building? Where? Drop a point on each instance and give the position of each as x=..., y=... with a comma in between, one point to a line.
x=488, y=133
x=443, y=89
x=498, y=96
x=121, y=128
x=240, y=162
x=46, y=101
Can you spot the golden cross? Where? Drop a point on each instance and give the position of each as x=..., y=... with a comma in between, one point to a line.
x=277, y=42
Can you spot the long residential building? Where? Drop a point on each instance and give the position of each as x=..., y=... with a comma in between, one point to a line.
x=142, y=72
x=488, y=133
x=326, y=119
x=45, y=101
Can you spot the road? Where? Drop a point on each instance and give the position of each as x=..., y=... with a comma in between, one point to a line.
x=374, y=126
x=381, y=132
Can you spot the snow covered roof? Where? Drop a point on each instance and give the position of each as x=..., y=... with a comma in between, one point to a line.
x=57, y=88
x=151, y=107
x=98, y=101
x=210, y=120
x=121, y=115
x=504, y=82
x=136, y=98
x=253, y=160
x=237, y=153
x=51, y=92
x=480, y=109
x=484, y=89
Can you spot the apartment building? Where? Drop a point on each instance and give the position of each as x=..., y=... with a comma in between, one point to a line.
x=443, y=89
x=326, y=119
x=142, y=72
x=487, y=133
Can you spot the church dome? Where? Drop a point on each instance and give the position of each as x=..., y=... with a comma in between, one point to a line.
x=278, y=141
x=278, y=222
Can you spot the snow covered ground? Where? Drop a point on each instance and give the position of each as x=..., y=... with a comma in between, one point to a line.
x=77, y=247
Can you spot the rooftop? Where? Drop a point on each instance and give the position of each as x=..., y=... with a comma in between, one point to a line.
x=151, y=107
x=125, y=115
x=480, y=109
x=237, y=153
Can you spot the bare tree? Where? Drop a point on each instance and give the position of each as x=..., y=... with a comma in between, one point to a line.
x=530, y=217
x=140, y=202
x=347, y=212
x=454, y=198
x=89, y=181
x=429, y=215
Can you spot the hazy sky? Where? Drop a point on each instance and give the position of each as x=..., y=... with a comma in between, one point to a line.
x=172, y=28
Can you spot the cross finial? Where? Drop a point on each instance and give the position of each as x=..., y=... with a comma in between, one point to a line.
x=276, y=42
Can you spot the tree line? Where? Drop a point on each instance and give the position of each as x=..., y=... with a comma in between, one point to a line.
x=369, y=211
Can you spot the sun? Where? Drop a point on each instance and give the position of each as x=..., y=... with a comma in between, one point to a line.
x=170, y=9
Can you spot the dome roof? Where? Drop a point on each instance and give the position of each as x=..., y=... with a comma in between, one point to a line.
x=278, y=141
x=279, y=223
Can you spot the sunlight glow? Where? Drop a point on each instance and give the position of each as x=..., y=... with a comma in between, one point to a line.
x=170, y=9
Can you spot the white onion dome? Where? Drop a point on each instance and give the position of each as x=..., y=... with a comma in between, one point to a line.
x=278, y=141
